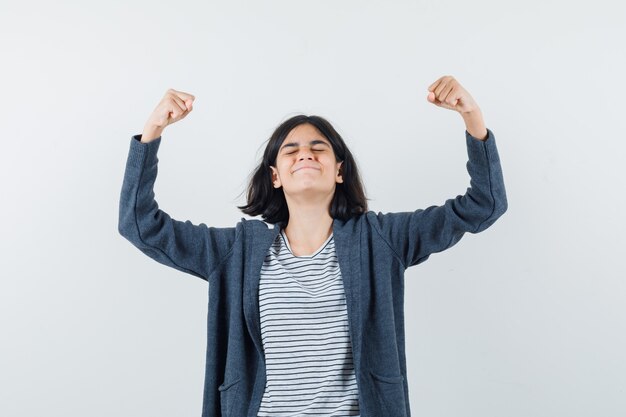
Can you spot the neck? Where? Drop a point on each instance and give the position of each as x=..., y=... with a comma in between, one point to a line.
x=309, y=225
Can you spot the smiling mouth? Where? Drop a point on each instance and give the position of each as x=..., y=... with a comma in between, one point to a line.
x=305, y=168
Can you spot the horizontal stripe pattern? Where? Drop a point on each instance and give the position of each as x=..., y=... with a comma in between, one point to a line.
x=304, y=329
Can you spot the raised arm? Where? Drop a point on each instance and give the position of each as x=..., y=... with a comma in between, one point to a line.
x=190, y=248
x=413, y=236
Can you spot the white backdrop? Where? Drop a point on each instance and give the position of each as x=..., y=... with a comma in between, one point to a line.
x=524, y=319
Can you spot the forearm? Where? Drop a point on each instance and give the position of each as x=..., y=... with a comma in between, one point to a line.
x=475, y=124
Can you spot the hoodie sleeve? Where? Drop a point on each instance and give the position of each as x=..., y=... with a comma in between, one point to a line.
x=190, y=248
x=414, y=236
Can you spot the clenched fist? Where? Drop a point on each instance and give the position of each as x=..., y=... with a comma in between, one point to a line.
x=174, y=106
x=446, y=92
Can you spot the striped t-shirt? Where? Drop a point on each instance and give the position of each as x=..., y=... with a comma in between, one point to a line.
x=304, y=328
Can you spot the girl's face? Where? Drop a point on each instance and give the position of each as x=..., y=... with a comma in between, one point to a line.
x=305, y=165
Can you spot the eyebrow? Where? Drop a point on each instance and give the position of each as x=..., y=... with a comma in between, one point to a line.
x=294, y=144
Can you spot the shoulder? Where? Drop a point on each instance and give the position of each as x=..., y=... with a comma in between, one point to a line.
x=256, y=225
x=353, y=224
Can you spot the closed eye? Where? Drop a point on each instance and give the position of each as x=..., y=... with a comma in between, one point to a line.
x=314, y=150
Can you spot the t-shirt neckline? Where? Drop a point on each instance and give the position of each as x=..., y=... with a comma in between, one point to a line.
x=284, y=235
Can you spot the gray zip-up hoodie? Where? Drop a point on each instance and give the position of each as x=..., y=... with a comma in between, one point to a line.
x=373, y=251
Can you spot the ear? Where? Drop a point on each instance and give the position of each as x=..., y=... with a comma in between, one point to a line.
x=340, y=172
x=275, y=179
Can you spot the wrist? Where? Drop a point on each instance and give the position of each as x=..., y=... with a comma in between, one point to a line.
x=475, y=124
x=150, y=133
x=472, y=114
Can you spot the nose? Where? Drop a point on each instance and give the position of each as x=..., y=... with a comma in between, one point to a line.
x=305, y=152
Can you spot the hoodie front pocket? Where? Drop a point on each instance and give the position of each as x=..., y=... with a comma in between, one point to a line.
x=228, y=391
x=390, y=392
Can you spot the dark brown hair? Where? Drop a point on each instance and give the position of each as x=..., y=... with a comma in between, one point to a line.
x=269, y=202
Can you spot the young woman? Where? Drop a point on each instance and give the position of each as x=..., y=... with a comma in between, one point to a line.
x=305, y=309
